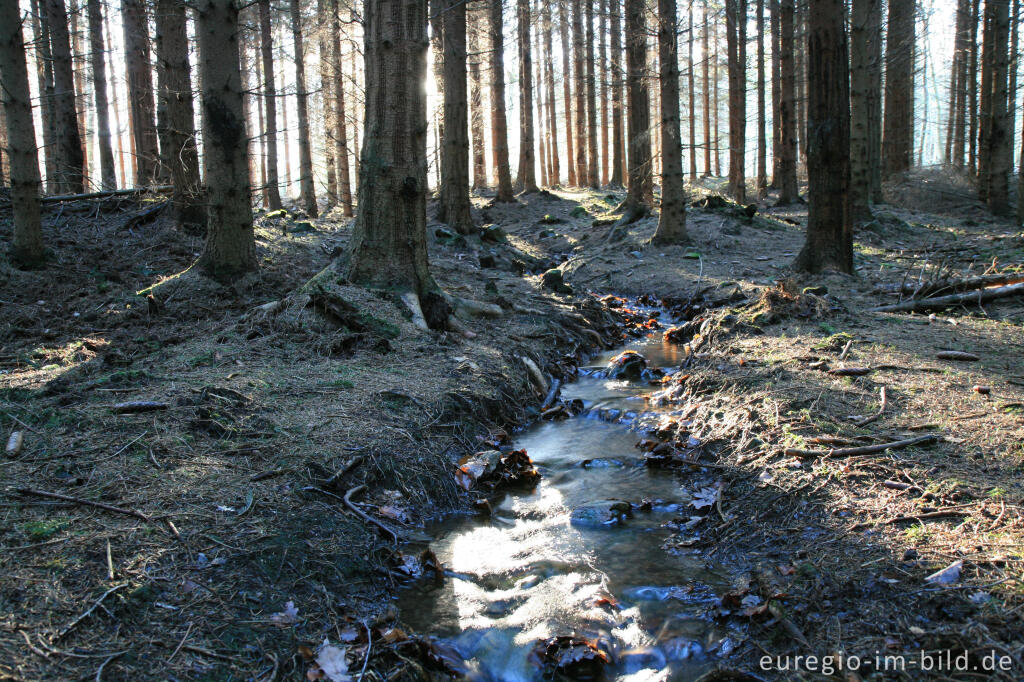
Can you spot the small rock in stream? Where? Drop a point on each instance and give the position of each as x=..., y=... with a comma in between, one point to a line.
x=601, y=514
x=627, y=365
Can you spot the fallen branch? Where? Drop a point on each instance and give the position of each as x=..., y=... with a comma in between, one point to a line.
x=87, y=503
x=137, y=406
x=552, y=394
x=363, y=515
x=945, y=513
x=71, y=626
x=940, y=302
x=958, y=285
x=876, y=415
x=863, y=450
x=57, y=198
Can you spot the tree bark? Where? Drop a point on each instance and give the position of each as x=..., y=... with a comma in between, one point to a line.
x=829, y=228
x=865, y=28
x=552, y=112
x=640, y=192
x=307, y=193
x=499, y=122
x=788, y=192
x=327, y=84
x=454, y=207
x=141, y=107
x=476, y=99
x=762, y=140
x=44, y=76
x=526, y=179
x=618, y=143
x=582, y=172
x=68, y=159
x=83, y=102
x=273, y=188
x=898, y=133
x=692, y=97
x=176, y=114
x=716, y=105
x=108, y=176
x=563, y=29
x=540, y=95
x=672, y=221
x=230, y=248
x=27, y=243
x=776, y=86
x=735, y=21
x=972, y=90
x=593, y=164
x=388, y=249
x=603, y=82
x=707, y=92
x=340, y=154
x=995, y=150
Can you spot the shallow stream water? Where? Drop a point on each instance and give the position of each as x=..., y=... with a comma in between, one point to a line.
x=532, y=571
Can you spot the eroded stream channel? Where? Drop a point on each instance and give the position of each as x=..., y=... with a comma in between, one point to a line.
x=560, y=560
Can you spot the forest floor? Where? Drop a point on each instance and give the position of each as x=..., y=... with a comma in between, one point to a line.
x=226, y=548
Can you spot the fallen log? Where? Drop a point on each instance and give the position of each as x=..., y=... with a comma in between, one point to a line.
x=957, y=285
x=940, y=302
x=862, y=450
x=58, y=198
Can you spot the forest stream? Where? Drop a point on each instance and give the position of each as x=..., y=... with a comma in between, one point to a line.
x=567, y=558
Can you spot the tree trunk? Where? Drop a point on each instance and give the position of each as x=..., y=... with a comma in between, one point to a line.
x=995, y=148
x=762, y=140
x=27, y=243
x=865, y=24
x=716, y=106
x=1011, y=106
x=582, y=173
x=141, y=107
x=707, y=92
x=961, y=56
x=285, y=138
x=5, y=169
x=552, y=113
x=339, y=134
x=388, y=249
x=786, y=180
x=307, y=193
x=776, y=49
x=83, y=102
x=527, y=176
x=603, y=82
x=176, y=114
x=273, y=188
x=476, y=99
x=68, y=159
x=44, y=77
x=640, y=193
x=593, y=164
x=692, y=98
x=672, y=221
x=972, y=89
x=108, y=176
x=454, y=207
x=898, y=133
x=618, y=146
x=538, y=82
x=327, y=85
x=563, y=30
x=230, y=248
x=499, y=122
x=735, y=21
x=829, y=228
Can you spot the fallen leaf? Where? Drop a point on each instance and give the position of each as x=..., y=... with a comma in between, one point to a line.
x=705, y=497
x=947, y=576
x=288, y=616
x=332, y=662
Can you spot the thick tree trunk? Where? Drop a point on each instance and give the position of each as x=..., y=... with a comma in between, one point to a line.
x=339, y=134
x=829, y=227
x=476, y=99
x=603, y=82
x=328, y=82
x=230, y=248
x=454, y=207
x=68, y=159
x=499, y=122
x=716, y=105
x=141, y=107
x=961, y=56
x=108, y=176
x=526, y=179
x=388, y=249
x=618, y=143
x=786, y=179
x=273, y=188
x=707, y=92
x=865, y=27
x=593, y=164
x=735, y=22
x=995, y=147
x=762, y=140
x=579, y=49
x=640, y=193
x=27, y=243
x=307, y=193
x=898, y=133
x=692, y=98
x=672, y=221
x=176, y=114
x=563, y=30
x=776, y=86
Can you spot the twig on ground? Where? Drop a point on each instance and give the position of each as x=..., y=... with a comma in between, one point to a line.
x=71, y=626
x=363, y=515
x=863, y=450
x=369, y=648
x=941, y=514
x=876, y=415
x=88, y=503
x=174, y=653
x=108, y=659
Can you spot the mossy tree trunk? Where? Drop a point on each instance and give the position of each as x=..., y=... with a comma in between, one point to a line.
x=230, y=248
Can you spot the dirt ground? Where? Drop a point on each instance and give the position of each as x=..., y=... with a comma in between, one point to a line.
x=227, y=549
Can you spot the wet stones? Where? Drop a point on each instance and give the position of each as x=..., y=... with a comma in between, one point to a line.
x=566, y=657
x=552, y=280
x=601, y=514
x=627, y=365
x=491, y=469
